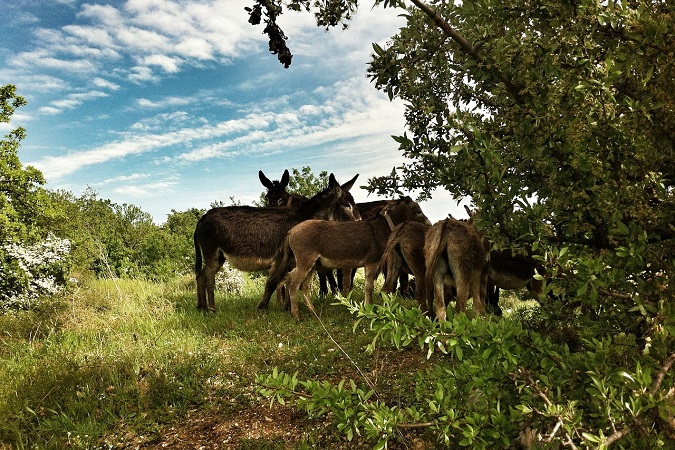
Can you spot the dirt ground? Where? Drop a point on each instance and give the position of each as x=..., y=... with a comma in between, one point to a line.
x=260, y=425
x=256, y=428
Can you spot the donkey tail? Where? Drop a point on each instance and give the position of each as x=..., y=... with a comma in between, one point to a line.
x=283, y=263
x=198, y=254
x=433, y=249
x=392, y=243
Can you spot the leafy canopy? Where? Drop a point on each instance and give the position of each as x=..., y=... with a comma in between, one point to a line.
x=22, y=199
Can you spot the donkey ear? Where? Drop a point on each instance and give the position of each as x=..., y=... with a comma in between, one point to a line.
x=285, y=178
x=264, y=180
x=348, y=185
x=468, y=211
x=332, y=181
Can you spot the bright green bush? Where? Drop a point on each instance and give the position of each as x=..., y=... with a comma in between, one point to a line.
x=492, y=384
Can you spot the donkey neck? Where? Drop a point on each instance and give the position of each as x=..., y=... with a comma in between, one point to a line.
x=379, y=226
x=316, y=207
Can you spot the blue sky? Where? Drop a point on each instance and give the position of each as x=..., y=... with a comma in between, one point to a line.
x=171, y=104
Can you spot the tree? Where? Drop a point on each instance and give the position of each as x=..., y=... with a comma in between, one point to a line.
x=304, y=182
x=557, y=120
x=32, y=262
x=22, y=199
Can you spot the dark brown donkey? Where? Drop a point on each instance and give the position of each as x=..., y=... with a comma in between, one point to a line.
x=338, y=245
x=404, y=254
x=511, y=272
x=249, y=237
x=455, y=252
x=277, y=195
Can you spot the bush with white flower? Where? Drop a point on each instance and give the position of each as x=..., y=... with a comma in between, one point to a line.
x=230, y=280
x=28, y=272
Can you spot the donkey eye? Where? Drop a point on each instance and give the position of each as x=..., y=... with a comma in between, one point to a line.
x=280, y=201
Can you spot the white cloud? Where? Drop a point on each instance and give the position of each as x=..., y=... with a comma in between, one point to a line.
x=167, y=101
x=123, y=178
x=139, y=74
x=347, y=111
x=105, y=84
x=90, y=35
x=71, y=101
x=169, y=64
x=148, y=190
x=50, y=111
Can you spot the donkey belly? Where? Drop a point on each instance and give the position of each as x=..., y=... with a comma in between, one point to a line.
x=340, y=263
x=505, y=280
x=249, y=263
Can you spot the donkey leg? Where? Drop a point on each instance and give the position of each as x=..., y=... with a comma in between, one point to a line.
x=211, y=287
x=206, y=284
x=462, y=285
x=298, y=280
x=492, y=300
x=346, y=281
x=403, y=285
x=307, y=291
x=323, y=283
x=370, y=272
x=393, y=268
x=439, y=297
x=421, y=293
x=332, y=282
x=292, y=286
x=477, y=293
x=201, y=290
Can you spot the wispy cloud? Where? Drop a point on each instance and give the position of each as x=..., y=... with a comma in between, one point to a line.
x=139, y=41
x=105, y=84
x=147, y=190
x=344, y=112
x=123, y=178
x=71, y=101
x=163, y=103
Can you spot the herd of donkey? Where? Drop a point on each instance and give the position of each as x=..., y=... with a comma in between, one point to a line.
x=293, y=236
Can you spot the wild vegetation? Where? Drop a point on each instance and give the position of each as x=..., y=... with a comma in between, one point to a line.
x=555, y=120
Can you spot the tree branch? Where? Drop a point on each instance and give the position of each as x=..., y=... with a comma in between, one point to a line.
x=466, y=47
x=660, y=375
x=656, y=384
x=527, y=375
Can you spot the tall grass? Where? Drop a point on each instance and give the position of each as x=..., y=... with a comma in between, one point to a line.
x=115, y=361
x=138, y=355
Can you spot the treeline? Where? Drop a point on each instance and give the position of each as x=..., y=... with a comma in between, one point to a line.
x=71, y=236
x=110, y=239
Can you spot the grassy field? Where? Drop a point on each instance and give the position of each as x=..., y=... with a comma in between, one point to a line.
x=133, y=364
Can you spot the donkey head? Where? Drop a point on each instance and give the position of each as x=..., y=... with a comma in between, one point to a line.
x=333, y=203
x=403, y=210
x=276, y=190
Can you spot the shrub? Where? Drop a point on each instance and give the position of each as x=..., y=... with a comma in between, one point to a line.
x=30, y=271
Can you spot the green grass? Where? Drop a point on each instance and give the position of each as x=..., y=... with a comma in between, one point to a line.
x=130, y=357
x=131, y=363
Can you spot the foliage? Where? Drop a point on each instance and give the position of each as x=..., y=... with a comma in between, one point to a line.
x=557, y=123
x=537, y=391
x=33, y=262
x=35, y=271
x=306, y=183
